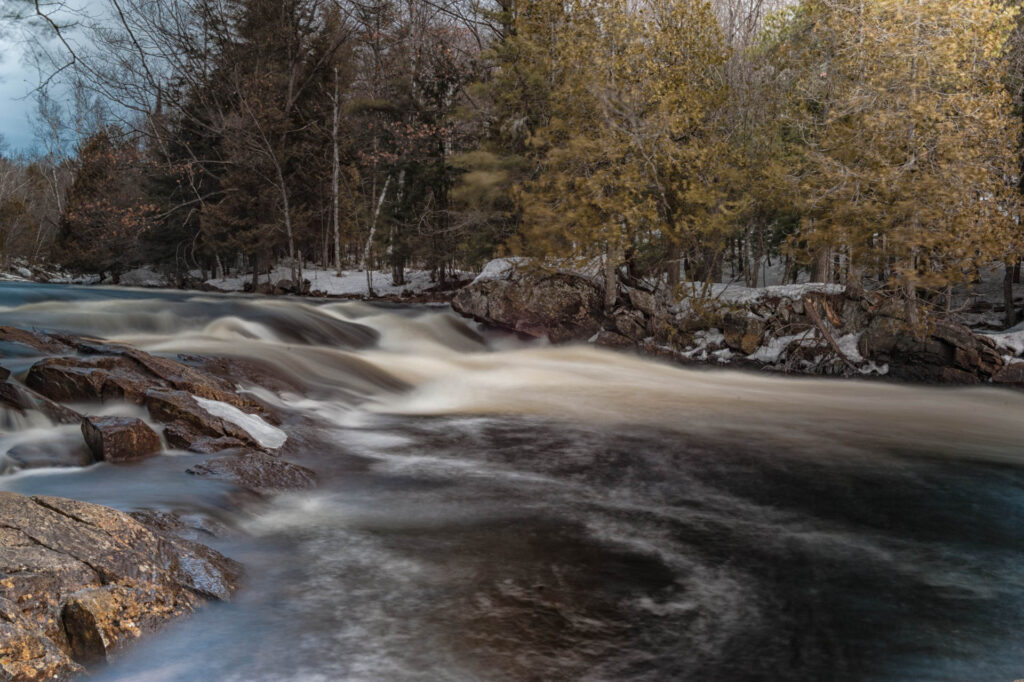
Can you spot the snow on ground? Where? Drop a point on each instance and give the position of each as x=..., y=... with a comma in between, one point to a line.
x=733, y=293
x=771, y=352
x=848, y=344
x=1011, y=339
x=351, y=282
x=708, y=343
x=263, y=433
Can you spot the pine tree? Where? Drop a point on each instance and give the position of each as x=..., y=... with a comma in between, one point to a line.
x=632, y=166
x=907, y=135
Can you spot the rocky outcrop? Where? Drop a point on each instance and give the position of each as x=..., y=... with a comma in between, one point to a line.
x=120, y=439
x=943, y=352
x=79, y=581
x=117, y=372
x=560, y=306
x=810, y=328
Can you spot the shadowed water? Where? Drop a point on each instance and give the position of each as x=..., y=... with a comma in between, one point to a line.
x=496, y=510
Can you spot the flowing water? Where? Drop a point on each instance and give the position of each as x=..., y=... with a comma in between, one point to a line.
x=491, y=509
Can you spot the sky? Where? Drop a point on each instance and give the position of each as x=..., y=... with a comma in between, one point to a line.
x=17, y=80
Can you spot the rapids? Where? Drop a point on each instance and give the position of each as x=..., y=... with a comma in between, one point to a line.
x=493, y=509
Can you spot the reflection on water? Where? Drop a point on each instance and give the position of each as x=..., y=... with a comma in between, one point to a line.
x=494, y=510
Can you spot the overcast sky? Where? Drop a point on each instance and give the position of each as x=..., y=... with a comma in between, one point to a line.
x=16, y=82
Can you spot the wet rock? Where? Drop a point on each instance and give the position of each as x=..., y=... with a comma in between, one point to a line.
x=98, y=379
x=25, y=399
x=189, y=526
x=180, y=409
x=5, y=374
x=183, y=437
x=111, y=371
x=120, y=439
x=256, y=471
x=560, y=306
x=91, y=579
x=100, y=620
x=28, y=655
x=36, y=341
x=63, y=450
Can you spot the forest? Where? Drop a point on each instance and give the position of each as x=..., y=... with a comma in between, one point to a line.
x=872, y=143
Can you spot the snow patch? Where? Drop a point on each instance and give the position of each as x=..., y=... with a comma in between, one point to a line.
x=352, y=283
x=1011, y=339
x=771, y=352
x=499, y=268
x=263, y=433
x=730, y=293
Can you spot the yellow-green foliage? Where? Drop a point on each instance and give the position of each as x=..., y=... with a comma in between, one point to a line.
x=908, y=142
x=629, y=158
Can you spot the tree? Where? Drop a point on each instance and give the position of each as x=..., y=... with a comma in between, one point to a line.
x=909, y=143
x=632, y=162
x=103, y=218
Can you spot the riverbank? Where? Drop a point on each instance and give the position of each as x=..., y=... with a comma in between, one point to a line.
x=79, y=582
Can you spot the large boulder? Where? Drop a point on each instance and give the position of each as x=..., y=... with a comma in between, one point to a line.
x=560, y=306
x=120, y=439
x=945, y=352
x=79, y=581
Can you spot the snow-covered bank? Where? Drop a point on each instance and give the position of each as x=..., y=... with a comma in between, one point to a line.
x=329, y=283
x=806, y=328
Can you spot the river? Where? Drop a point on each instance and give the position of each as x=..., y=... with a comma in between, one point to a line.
x=492, y=509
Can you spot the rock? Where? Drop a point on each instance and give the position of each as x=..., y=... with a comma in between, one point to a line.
x=63, y=450
x=184, y=437
x=646, y=302
x=609, y=339
x=26, y=400
x=35, y=341
x=946, y=353
x=630, y=323
x=560, y=306
x=743, y=332
x=1010, y=374
x=98, y=379
x=256, y=471
x=117, y=372
x=90, y=579
x=180, y=409
x=120, y=439
x=5, y=374
x=100, y=620
x=26, y=654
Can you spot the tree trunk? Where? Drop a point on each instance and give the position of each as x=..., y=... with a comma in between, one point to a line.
x=611, y=285
x=255, y=273
x=337, y=175
x=1011, y=312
